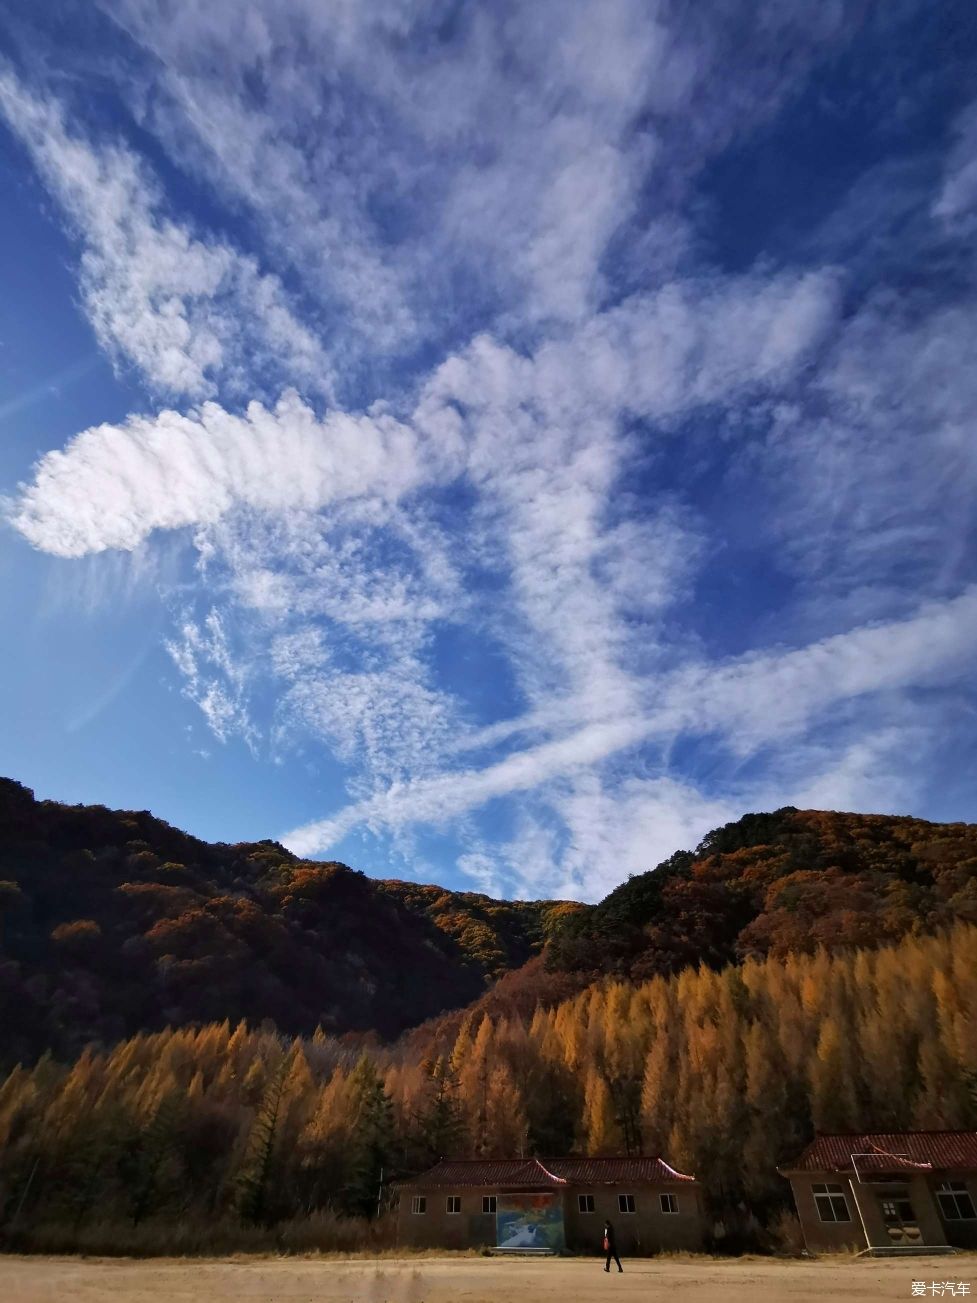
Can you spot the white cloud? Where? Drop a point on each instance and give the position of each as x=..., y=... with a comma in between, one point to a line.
x=489, y=219
x=628, y=827
x=114, y=485
x=397, y=157
x=337, y=609
x=654, y=357
x=874, y=470
x=869, y=774
x=957, y=200
x=771, y=695
x=540, y=441
x=750, y=703
x=214, y=679
x=189, y=313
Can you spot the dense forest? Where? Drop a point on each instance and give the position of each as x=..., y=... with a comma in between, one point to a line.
x=773, y=884
x=224, y=1045
x=113, y=922
x=223, y=1135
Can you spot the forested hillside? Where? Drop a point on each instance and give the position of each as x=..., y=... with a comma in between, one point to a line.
x=798, y=970
x=187, y=1139
x=775, y=884
x=115, y=923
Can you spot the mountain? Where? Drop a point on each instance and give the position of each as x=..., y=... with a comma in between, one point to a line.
x=115, y=922
x=775, y=884
x=510, y=1038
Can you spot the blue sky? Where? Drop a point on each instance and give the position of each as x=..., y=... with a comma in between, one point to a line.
x=492, y=444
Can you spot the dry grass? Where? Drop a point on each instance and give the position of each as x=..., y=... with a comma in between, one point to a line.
x=320, y=1233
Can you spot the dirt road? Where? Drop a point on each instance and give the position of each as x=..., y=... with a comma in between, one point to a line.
x=470, y=1280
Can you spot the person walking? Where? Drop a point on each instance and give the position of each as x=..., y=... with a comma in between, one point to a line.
x=610, y=1248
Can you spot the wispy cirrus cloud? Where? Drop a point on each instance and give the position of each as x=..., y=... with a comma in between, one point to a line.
x=214, y=679
x=114, y=485
x=567, y=527
x=424, y=170
x=754, y=702
x=957, y=199
x=187, y=312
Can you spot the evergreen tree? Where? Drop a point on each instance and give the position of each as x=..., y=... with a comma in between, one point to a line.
x=255, y=1199
x=372, y=1139
x=153, y=1148
x=439, y=1122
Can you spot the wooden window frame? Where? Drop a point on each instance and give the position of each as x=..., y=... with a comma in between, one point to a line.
x=668, y=1203
x=583, y=1199
x=622, y=1201
x=418, y=1205
x=452, y=1205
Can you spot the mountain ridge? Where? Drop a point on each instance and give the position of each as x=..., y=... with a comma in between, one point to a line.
x=115, y=922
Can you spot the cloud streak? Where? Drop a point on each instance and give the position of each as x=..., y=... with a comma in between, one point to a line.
x=114, y=485
x=560, y=454
x=158, y=296
x=733, y=701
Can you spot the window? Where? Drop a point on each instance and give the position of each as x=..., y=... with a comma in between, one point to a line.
x=669, y=1203
x=626, y=1203
x=454, y=1203
x=488, y=1203
x=896, y=1209
x=418, y=1204
x=831, y=1203
x=956, y=1205
x=585, y=1203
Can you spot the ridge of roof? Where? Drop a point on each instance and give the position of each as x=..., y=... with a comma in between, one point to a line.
x=878, y=1151
x=684, y=1176
x=560, y=1179
x=547, y=1172
x=899, y=1158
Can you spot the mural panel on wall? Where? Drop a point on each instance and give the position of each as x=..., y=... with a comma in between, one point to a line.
x=529, y=1221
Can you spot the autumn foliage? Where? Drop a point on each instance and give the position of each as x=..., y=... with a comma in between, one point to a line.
x=774, y=884
x=725, y=1073
x=113, y=923
x=225, y=1046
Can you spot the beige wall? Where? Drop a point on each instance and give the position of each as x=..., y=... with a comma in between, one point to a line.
x=961, y=1233
x=439, y=1229
x=863, y=1205
x=645, y=1231
x=818, y=1235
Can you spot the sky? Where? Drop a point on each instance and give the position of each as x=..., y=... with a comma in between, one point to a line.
x=491, y=444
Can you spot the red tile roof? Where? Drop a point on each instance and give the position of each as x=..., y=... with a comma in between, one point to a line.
x=526, y=1173
x=607, y=1171
x=888, y=1151
x=490, y=1171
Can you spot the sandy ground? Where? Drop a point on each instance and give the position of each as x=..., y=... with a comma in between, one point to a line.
x=470, y=1280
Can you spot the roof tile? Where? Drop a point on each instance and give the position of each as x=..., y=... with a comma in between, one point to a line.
x=546, y=1172
x=878, y=1151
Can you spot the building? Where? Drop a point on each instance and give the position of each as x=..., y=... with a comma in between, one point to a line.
x=550, y=1204
x=887, y=1191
